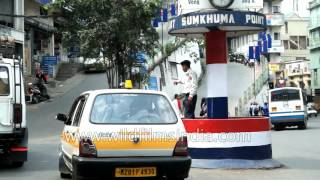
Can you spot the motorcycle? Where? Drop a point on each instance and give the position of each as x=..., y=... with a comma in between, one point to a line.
x=37, y=93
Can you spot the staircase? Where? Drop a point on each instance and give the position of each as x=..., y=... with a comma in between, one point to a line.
x=67, y=70
x=257, y=89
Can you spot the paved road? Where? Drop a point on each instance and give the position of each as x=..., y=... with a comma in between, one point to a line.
x=299, y=150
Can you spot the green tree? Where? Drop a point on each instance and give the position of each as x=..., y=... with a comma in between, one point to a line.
x=117, y=28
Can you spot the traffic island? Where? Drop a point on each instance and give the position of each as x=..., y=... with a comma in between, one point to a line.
x=234, y=143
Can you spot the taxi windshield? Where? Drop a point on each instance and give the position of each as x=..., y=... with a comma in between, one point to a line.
x=132, y=109
x=4, y=81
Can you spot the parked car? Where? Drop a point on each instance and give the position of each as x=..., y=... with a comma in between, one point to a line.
x=312, y=112
x=94, y=65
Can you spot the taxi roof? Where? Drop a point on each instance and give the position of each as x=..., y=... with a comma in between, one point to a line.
x=113, y=91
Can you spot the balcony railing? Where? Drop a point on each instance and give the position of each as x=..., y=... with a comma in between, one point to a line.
x=314, y=43
x=299, y=72
x=314, y=3
x=17, y=35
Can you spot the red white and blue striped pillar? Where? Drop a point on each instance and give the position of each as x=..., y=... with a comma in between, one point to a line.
x=217, y=74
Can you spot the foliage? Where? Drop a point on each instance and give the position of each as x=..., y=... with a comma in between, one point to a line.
x=117, y=28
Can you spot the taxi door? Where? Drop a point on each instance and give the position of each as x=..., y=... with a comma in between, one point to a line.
x=70, y=134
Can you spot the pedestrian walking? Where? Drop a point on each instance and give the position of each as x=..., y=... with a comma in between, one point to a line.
x=265, y=109
x=203, y=112
x=251, y=109
x=190, y=83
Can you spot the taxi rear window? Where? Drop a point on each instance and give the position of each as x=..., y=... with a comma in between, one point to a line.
x=132, y=109
x=4, y=81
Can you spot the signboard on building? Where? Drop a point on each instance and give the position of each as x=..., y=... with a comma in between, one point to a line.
x=17, y=35
x=44, y=1
x=254, y=52
x=231, y=19
x=153, y=83
x=187, y=6
x=275, y=19
x=49, y=63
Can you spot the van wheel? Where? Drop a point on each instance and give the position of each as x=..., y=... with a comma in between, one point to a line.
x=278, y=127
x=65, y=176
x=302, y=126
x=17, y=164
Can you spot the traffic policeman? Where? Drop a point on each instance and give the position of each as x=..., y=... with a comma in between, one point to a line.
x=190, y=85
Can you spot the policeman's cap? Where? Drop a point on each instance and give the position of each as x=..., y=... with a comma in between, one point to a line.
x=186, y=62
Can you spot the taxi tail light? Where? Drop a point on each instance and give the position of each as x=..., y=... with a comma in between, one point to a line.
x=87, y=148
x=181, y=148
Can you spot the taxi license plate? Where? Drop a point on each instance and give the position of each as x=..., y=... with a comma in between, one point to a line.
x=136, y=172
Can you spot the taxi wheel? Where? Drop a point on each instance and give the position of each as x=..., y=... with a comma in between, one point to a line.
x=17, y=164
x=175, y=178
x=74, y=176
x=65, y=176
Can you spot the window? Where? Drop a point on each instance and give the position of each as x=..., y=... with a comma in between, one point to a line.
x=286, y=27
x=43, y=11
x=174, y=70
x=6, y=7
x=276, y=9
x=78, y=114
x=4, y=81
x=72, y=111
x=286, y=44
x=303, y=42
x=132, y=109
x=294, y=43
x=276, y=36
x=285, y=95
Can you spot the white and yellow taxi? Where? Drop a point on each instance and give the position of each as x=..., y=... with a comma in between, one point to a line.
x=123, y=133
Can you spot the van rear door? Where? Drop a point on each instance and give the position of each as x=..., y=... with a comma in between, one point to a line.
x=5, y=99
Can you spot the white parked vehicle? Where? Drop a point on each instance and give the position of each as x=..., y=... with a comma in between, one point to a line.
x=13, y=124
x=312, y=112
x=123, y=133
x=288, y=107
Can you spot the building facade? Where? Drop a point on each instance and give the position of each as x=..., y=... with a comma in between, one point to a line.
x=13, y=26
x=287, y=22
x=314, y=45
x=39, y=34
x=298, y=73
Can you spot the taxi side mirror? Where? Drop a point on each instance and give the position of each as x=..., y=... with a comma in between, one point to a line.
x=61, y=117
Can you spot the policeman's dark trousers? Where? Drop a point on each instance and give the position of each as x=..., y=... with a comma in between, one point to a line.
x=189, y=107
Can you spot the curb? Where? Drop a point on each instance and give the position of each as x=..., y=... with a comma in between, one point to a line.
x=63, y=87
x=236, y=164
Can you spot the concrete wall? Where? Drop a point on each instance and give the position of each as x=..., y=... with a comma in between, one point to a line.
x=296, y=6
x=315, y=65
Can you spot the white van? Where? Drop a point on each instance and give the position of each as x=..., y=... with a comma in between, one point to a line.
x=287, y=107
x=13, y=128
